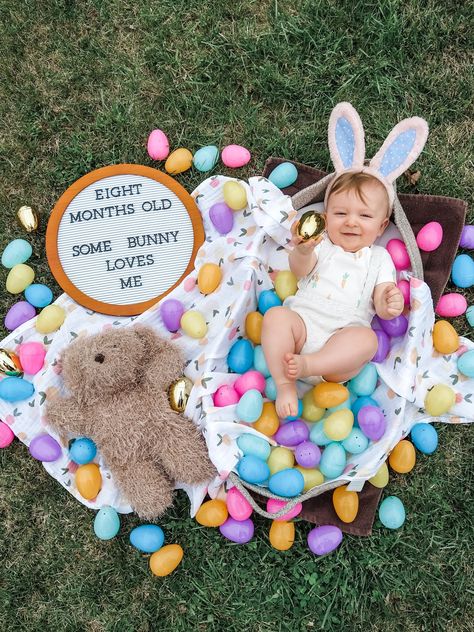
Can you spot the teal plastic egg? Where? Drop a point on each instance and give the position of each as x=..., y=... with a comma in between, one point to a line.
x=82, y=450
x=392, y=512
x=424, y=437
x=365, y=382
x=333, y=460
x=252, y=469
x=463, y=271
x=470, y=315
x=205, y=158
x=250, y=406
x=356, y=442
x=106, y=523
x=333, y=409
x=270, y=389
x=38, y=295
x=14, y=389
x=284, y=175
x=287, y=483
x=147, y=538
x=259, y=361
x=251, y=444
x=17, y=251
x=240, y=357
x=466, y=363
x=317, y=434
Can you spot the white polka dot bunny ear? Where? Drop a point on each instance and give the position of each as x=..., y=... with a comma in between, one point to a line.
x=346, y=138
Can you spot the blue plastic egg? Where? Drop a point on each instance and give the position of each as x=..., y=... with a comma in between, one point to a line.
x=259, y=361
x=240, y=357
x=14, y=389
x=463, y=271
x=147, y=538
x=284, y=175
x=252, y=469
x=299, y=413
x=17, y=251
x=317, y=434
x=466, y=363
x=392, y=512
x=268, y=299
x=106, y=523
x=250, y=406
x=287, y=483
x=356, y=442
x=270, y=389
x=251, y=444
x=205, y=158
x=365, y=381
x=359, y=403
x=38, y=295
x=333, y=460
x=424, y=437
x=82, y=451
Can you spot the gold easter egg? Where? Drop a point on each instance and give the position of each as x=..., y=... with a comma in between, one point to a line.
x=28, y=218
x=286, y=284
x=439, y=400
x=282, y=535
x=346, y=504
x=178, y=393
x=178, y=161
x=311, y=412
x=253, y=327
x=235, y=195
x=10, y=363
x=209, y=278
x=310, y=225
x=380, y=478
x=194, y=324
x=50, y=319
x=88, y=480
x=268, y=422
x=19, y=278
x=445, y=337
x=165, y=560
x=312, y=477
x=403, y=457
x=212, y=513
x=329, y=394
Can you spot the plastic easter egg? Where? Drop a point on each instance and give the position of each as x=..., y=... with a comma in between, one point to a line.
x=346, y=504
x=238, y=506
x=106, y=523
x=284, y=175
x=398, y=251
x=312, y=477
x=147, y=538
x=380, y=478
x=270, y=388
x=88, y=480
x=311, y=412
x=6, y=435
x=82, y=450
x=253, y=470
x=365, y=381
x=268, y=421
x=266, y=300
x=424, y=437
x=395, y=326
x=235, y=195
x=178, y=161
x=333, y=460
x=274, y=505
x=50, y=319
x=292, y=433
x=383, y=346
x=467, y=237
x=451, y=305
x=19, y=278
x=359, y=403
x=206, y=158
x=403, y=457
x=328, y=394
x=32, y=356
x=250, y=406
x=17, y=251
x=404, y=288
x=18, y=314
x=298, y=414
x=248, y=380
x=339, y=424
x=166, y=560
x=470, y=315
x=356, y=442
x=438, y=400
x=286, y=284
x=158, y=146
x=346, y=405
x=45, y=448
x=445, y=337
x=392, y=512
x=466, y=363
x=226, y=395
x=194, y=324
x=239, y=531
x=15, y=389
x=171, y=311
x=38, y=295
x=462, y=272
x=209, y=278
x=307, y=454
x=323, y=540
x=287, y=483
x=212, y=513
x=372, y=422
x=259, y=361
x=282, y=535
x=430, y=236
x=280, y=459
x=251, y=444
x=10, y=363
x=253, y=327
x=240, y=356
x=235, y=156
x=222, y=217
x=317, y=434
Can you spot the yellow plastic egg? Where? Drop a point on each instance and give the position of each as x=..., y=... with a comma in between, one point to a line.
x=311, y=412
x=212, y=513
x=282, y=535
x=268, y=421
x=19, y=278
x=346, y=504
x=403, y=457
x=88, y=480
x=235, y=195
x=380, y=479
x=329, y=394
x=193, y=324
x=439, y=400
x=165, y=560
x=280, y=459
x=178, y=161
x=209, y=277
x=445, y=337
x=312, y=477
x=50, y=319
x=285, y=284
x=253, y=327
x=339, y=424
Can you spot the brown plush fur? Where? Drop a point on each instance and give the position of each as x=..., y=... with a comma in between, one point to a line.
x=118, y=382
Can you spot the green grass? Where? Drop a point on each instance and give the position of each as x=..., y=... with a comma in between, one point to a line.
x=82, y=85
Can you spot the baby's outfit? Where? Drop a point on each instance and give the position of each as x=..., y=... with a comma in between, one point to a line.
x=338, y=291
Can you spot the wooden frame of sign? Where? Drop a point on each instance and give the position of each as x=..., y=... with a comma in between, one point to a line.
x=122, y=237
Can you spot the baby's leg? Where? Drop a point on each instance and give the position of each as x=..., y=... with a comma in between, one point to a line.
x=283, y=332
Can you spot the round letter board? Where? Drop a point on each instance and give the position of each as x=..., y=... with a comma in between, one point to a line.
x=122, y=237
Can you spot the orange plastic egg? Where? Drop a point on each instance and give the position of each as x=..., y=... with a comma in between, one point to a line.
x=346, y=504
x=88, y=480
x=445, y=337
x=212, y=513
x=329, y=394
x=253, y=327
x=165, y=560
x=403, y=457
x=209, y=278
x=268, y=421
x=282, y=535
x=178, y=161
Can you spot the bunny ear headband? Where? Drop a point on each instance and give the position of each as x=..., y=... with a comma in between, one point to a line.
x=347, y=147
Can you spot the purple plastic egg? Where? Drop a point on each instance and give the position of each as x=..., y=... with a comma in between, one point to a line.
x=171, y=312
x=239, y=531
x=372, y=422
x=395, y=326
x=322, y=540
x=307, y=454
x=222, y=217
x=292, y=433
x=467, y=237
x=19, y=314
x=383, y=346
x=45, y=448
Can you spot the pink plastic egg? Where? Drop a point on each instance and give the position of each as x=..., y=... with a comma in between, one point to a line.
x=238, y=507
x=430, y=236
x=235, y=156
x=6, y=435
x=398, y=251
x=404, y=288
x=274, y=505
x=451, y=305
x=249, y=380
x=171, y=312
x=226, y=395
x=32, y=357
x=158, y=146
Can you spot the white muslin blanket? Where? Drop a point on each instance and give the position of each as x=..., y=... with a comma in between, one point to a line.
x=249, y=256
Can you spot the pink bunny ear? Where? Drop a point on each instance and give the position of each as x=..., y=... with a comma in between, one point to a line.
x=346, y=138
x=401, y=148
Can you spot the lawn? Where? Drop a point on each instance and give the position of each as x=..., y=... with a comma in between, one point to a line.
x=82, y=85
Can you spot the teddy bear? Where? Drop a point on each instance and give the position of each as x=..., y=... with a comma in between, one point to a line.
x=118, y=396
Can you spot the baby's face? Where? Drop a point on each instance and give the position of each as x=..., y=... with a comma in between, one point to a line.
x=353, y=223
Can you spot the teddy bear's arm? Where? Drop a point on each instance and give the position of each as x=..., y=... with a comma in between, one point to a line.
x=65, y=415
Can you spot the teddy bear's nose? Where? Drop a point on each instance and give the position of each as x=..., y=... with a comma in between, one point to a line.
x=99, y=358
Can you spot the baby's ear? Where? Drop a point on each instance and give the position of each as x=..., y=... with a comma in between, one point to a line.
x=346, y=137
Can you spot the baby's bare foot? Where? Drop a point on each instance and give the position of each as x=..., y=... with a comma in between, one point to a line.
x=287, y=400
x=294, y=366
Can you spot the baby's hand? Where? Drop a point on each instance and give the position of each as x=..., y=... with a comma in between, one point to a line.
x=303, y=246
x=392, y=302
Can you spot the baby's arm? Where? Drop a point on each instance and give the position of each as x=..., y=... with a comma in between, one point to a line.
x=302, y=258
x=388, y=300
